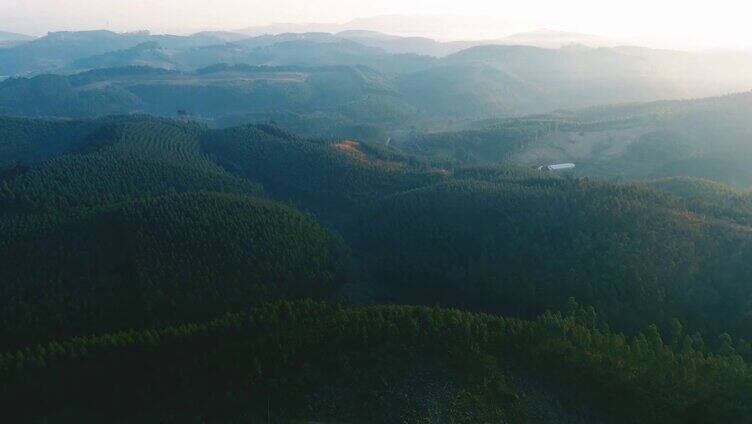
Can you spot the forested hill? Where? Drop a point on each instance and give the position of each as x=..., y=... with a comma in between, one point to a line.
x=287, y=362
x=146, y=251
x=703, y=138
x=520, y=247
x=432, y=112
x=209, y=93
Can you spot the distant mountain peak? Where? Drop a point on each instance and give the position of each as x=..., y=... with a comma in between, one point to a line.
x=550, y=38
x=12, y=38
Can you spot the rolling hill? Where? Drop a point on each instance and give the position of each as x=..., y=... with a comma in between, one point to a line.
x=704, y=138
x=148, y=54
x=93, y=215
x=172, y=258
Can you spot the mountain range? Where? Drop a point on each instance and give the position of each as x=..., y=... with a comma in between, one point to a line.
x=422, y=78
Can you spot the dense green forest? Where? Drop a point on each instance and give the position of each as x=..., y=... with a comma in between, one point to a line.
x=288, y=361
x=521, y=247
x=160, y=259
x=152, y=270
x=326, y=177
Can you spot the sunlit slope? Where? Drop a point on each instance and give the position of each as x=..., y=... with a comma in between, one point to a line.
x=705, y=138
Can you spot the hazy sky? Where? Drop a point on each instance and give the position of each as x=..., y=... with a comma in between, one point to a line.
x=718, y=22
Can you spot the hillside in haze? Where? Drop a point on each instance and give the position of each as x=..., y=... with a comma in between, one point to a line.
x=405, y=90
x=8, y=39
x=705, y=138
x=57, y=50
